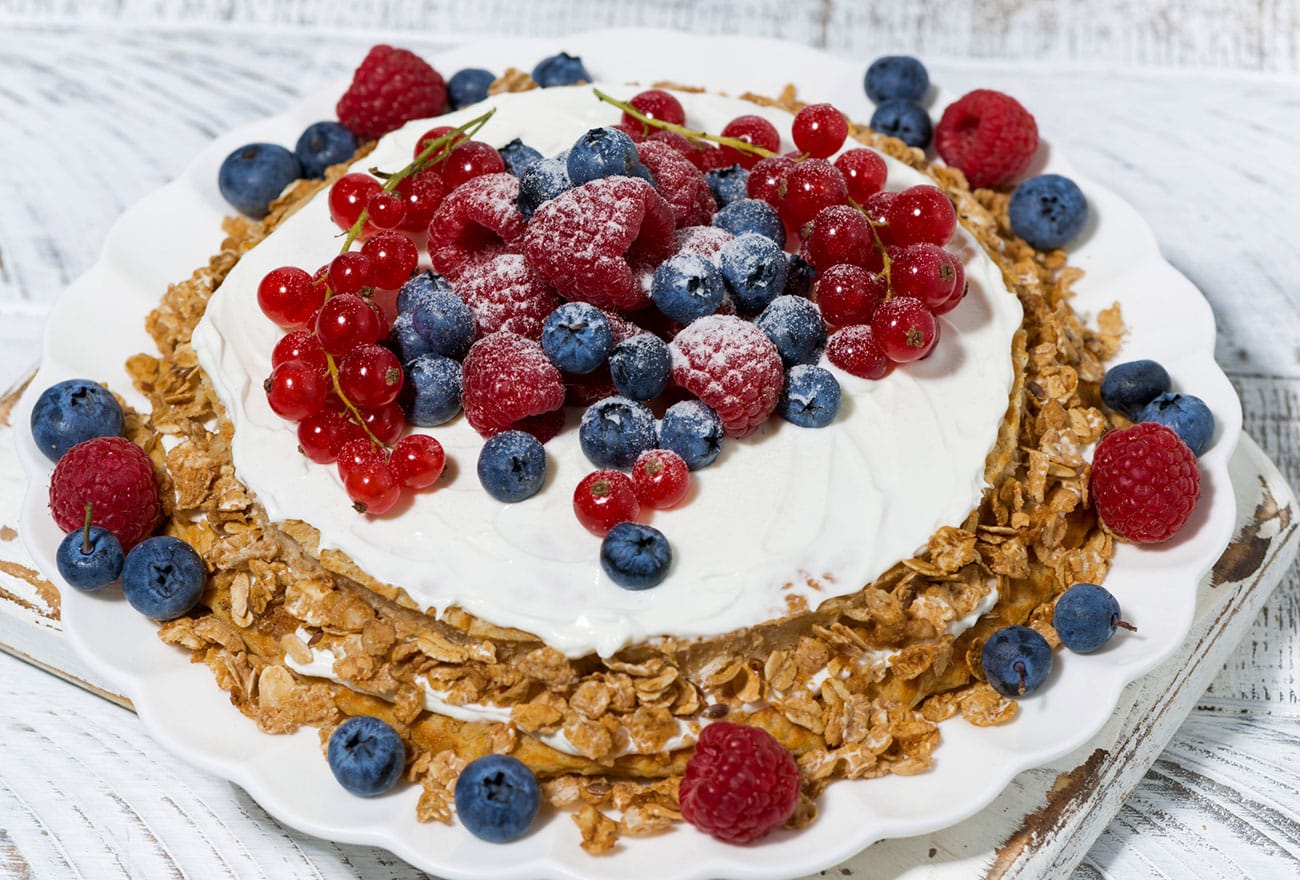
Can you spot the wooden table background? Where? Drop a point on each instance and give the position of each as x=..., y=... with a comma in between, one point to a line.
x=1189, y=109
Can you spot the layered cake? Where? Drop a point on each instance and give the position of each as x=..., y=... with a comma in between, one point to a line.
x=833, y=586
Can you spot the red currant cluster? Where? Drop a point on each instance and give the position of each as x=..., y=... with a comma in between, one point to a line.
x=660, y=480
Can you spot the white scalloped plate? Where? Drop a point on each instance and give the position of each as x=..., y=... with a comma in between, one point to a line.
x=98, y=323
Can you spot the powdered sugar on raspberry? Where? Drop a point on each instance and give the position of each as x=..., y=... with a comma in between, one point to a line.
x=476, y=222
x=506, y=294
x=732, y=366
x=506, y=378
x=680, y=182
x=706, y=241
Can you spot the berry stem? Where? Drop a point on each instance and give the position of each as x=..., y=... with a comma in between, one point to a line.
x=1019, y=667
x=880, y=247
x=86, y=548
x=688, y=133
x=1124, y=624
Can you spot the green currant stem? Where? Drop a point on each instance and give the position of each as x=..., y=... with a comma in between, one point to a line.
x=880, y=246
x=688, y=133
x=85, y=532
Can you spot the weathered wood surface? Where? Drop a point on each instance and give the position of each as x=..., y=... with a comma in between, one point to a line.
x=98, y=110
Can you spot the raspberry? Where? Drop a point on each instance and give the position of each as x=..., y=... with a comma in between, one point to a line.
x=588, y=242
x=506, y=378
x=732, y=366
x=505, y=294
x=116, y=478
x=990, y=136
x=477, y=221
x=679, y=182
x=389, y=89
x=1144, y=482
x=740, y=783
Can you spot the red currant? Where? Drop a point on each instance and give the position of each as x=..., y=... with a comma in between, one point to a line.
x=656, y=104
x=767, y=179
x=351, y=272
x=372, y=486
x=384, y=210
x=707, y=157
x=752, y=130
x=288, y=297
x=958, y=291
x=435, y=133
x=876, y=207
x=925, y=271
x=848, y=294
x=819, y=130
x=418, y=460
x=421, y=194
x=810, y=186
x=295, y=390
x=344, y=322
x=840, y=234
x=322, y=434
x=661, y=478
x=355, y=453
x=471, y=159
x=920, y=214
x=300, y=345
x=904, y=329
x=678, y=142
x=370, y=376
x=603, y=499
x=854, y=350
x=864, y=172
x=393, y=258
x=349, y=196
x=387, y=423
x=636, y=131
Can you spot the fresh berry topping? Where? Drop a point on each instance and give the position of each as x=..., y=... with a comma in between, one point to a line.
x=1016, y=661
x=656, y=104
x=469, y=160
x=543, y=427
x=89, y=558
x=703, y=241
x=661, y=477
x=819, y=130
x=1186, y=414
x=431, y=394
x=849, y=294
x=752, y=130
x=417, y=461
x=71, y=412
x=323, y=144
x=468, y=86
x=640, y=366
x=733, y=367
x=1048, y=211
x=370, y=482
x=767, y=178
x=1086, y=616
x=324, y=433
x=289, y=298
x=254, y=175
x=876, y=207
x=424, y=145
x=497, y=797
x=919, y=214
x=588, y=242
x=810, y=186
x=386, y=423
x=366, y=755
x=740, y=784
x=904, y=329
x=603, y=499
x=506, y=294
x=754, y=268
x=864, y=172
x=896, y=76
x=614, y=431
x=728, y=184
x=924, y=271
x=385, y=210
x=512, y=466
x=576, y=337
x=300, y=345
x=421, y=194
x=751, y=215
x=990, y=136
x=351, y=272
x=163, y=577
x=344, y=322
x=604, y=152
x=840, y=234
x=370, y=376
x=905, y=120
x=393, y=258
x=389, y=89
x=542, y=181
x=296, y=389
x=854, y=350
x=349, y=196
x=635, y=556
x=1145, y=482
x=518, y=156
x=692, y=430
x=686, y=287
x=799, y=276
x=795, y=326
x=475, y=222
x=443, y=320
x=561, y=69
x=1130, y=386
x=959, y=289
x=117, y=478
x=810, y=396
x=680, y=183
x=505, y=378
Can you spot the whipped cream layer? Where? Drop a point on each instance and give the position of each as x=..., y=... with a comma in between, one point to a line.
x=785, y=516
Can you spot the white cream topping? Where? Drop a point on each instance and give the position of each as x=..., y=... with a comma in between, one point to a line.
x=788, y=513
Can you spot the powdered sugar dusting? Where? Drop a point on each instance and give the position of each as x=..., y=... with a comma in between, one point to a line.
x=506, y=294
x=477, y=221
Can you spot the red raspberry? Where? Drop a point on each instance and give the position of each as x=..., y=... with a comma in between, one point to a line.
x=990, y=136
x=117, y=479
x=680, y=182
x=740, y=783
x=704, y=241
x=389, y=89
x=1144, y=482
x=588, y=242
x=477, y=221
x=732, y=366
x=506, y=294
x=506, y=378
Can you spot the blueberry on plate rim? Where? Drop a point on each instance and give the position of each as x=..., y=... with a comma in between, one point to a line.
x=366, y=755
x=163, y=577
x=72, y=411
x=1086, y=616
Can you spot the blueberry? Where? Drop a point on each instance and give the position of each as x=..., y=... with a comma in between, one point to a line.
x=686, y=287
x=497, y=798
x=799, y=276
x=366, y=755
x=90, y=559
x=512, y=466
x=635, y=556
x=323, y=144
x=518, y=156
x=418, y=286
x=751, y=215
x=163, y=577
x=404, y=341
x=730, y=184
x=1047, y=211
x=640, y=366
x=604, y=152
x=614, y=431
x=577, y=338
x=1130, y=386
x=905, y=120
x=796, y=328
x=72, y=411
x=254, y=175
x=896, y=76
x=694, y=431
x=542, y=181
x=468, y=86
x=810, y=396
x=560, y=70
x=1085, y=617
x=444, y=321
x=431, y=393
x=1186, y=414
x=1016, y=661
x=754, y=268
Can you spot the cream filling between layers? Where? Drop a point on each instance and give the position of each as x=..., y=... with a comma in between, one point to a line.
x=787, y=514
